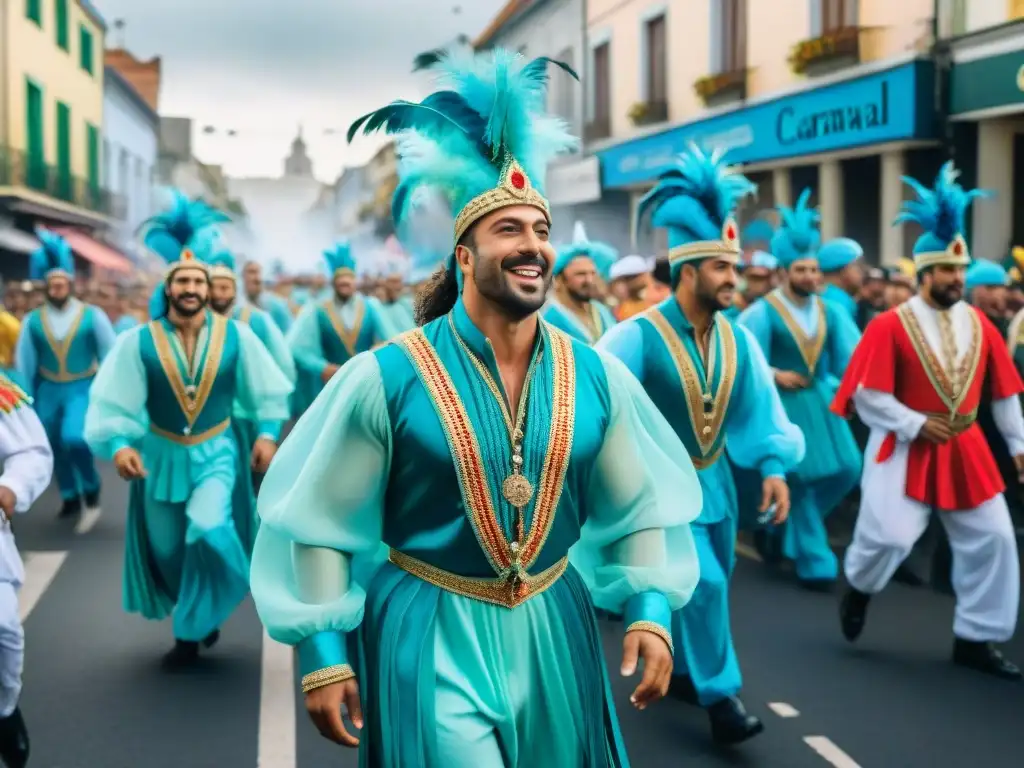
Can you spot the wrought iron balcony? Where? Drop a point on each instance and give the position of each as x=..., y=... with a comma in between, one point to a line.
x=18, y=169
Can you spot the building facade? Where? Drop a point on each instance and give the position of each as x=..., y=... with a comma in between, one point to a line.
x=832, y=95
x=984, y=43
x=131, y=136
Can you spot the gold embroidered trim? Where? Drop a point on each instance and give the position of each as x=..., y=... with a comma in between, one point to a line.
x=655, y=629
x=245, y=315
x=706, y=461
x=952, y=393
x=62, y=348
x=690, y=379
x=190, y=439
x=349, y=336
x=338, y=673
x=190, y=407
x=502, y=592
x=514, y=188
x=810, y=348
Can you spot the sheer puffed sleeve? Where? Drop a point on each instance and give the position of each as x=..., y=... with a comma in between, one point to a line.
x=636, y=551
x=116, y=417
x=304, y=341
x=263, y=390
x=759, y=434
x=625, y=341
x=104, y=332
x=321, y=506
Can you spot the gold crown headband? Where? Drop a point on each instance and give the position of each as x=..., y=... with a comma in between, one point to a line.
x=955, y=255
x=344, y=271
x=187, y=260
x=220, y=271
x=514, y=188
x=727, y=248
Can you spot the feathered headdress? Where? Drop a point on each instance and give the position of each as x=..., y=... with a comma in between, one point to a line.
x=602, y=254
x=178, y=232
x=424, y=226
x=940, y=211
x=986, y=273
x=758, y=232
x=797, y=235
x=339, y=259
x=838, y=253
x=485, y=141
x=214, y=250
x=695, y=200
x=53, y=257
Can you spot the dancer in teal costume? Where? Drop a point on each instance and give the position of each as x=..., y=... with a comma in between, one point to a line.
x=476, y=644
x=839, y=260
x=710, y=380
x=329, y=333
x=808, y=342
x=59, y=349
x=169, y=427
x=258, y=298
x=576, y=270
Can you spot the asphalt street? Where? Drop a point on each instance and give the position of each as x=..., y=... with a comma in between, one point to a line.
x=95, y=696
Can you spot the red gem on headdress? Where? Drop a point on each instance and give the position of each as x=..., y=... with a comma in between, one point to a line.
x=518, y=180
x=730, y=233
x=958, y=248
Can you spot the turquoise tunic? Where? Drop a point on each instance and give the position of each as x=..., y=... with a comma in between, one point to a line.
x=815, y=340
x=722, y=402
x=565, y=319
x=190, y=521
x=474, y=673
x=125, y=323
x=331, y=333
x=842, y=300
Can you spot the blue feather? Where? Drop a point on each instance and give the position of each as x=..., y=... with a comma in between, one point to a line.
x=402, y=116
x=175, y=228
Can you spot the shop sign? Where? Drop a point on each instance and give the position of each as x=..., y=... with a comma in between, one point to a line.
x=988, y=83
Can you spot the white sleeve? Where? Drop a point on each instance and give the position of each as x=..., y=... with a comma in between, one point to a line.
x=881, y=410
x=26, y=456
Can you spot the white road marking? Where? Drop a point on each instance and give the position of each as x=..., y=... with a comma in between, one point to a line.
x=782, y=709
x=835, y=756
x=88, y=520
x=40, y=570
x=277, y=707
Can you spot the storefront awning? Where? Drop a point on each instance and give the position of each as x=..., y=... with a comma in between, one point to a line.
x=15, y=240
x=95, y=252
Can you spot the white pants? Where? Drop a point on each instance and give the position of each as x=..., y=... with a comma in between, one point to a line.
x=12, y=649
x=986, y=568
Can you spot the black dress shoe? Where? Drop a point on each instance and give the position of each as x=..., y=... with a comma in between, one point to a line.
x=184, y=654
x=14, y=746
x=71, y=507
x=984, y=657
x=853, y=611
x=822, y=586
x=731, y=723
x=92, y=500
x=211, y=639
x=681, y=688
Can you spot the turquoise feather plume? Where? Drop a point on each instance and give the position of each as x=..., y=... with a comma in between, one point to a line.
x=53, y=255
x=797, y=235
x=178, y=226
x=941, y=211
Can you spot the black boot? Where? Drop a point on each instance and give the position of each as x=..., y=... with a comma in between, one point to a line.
x=71, y=507
x=766, y=544
x=211, y=639
x=730, y=722
x=92, y=500
x=853, y=610
x=984, y=657
x=184, y=654
x=14, y=746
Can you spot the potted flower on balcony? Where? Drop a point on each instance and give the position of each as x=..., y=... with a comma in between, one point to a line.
x=638, y=113
x=721, y=88
x=839, y=46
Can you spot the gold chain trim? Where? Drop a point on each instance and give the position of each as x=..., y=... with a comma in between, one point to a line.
x=62, y=348
x=191, y=407
x=704, y=249
x=190, y=439
x=952, y=393
x=503, y=592
x=706, y=426
x=349, y=336
x=810, y=348
x=655, y=629
x=245, y=315
x=339, y=673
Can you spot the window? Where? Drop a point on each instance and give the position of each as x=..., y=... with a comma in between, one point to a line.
x=832, y=15
x=93, y=143
x=955, y=17
x=729, y=41
x=35, y=146
x=602, y=83
x=62, y=24
x=64, y=185
x=562, y=93
x=34, y=11
x=657, y=60
x=85, y=51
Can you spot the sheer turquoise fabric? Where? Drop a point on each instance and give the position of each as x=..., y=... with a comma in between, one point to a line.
x=566, y=320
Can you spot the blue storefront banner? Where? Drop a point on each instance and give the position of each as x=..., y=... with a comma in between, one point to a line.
x=891, y=105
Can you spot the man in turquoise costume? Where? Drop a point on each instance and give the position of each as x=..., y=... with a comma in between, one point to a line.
x=397, y=311
x=757, y=278
x=711, y=382
x=258, y=298
x=330, y=332
x=60, y=347
x=840, y=263
x=164, y=410
x=808, y=342
x=479, y=448
x=573, y=306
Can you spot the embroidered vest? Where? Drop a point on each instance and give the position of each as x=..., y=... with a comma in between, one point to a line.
x=791, y=349
x=341, y=344
x=73, y=358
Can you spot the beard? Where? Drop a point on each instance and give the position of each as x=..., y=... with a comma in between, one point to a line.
x=177, y=301
x=221, y=306
x=802, y=291
x=58, y=303
x=713, y=298
x=581, y=296
x=491, y=277
x=947, y=295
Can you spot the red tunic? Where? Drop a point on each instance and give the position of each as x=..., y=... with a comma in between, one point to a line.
x=893, y=357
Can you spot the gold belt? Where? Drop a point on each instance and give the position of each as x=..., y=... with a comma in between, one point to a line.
x=508, y=592
x=64, y=377
x=703, y=462
x=191, y=439
x=958, y=422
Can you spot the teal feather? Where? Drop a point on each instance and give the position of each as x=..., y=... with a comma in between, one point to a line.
x=941, y=210
x=167, y=233
x=402, y=116
x=797, y=236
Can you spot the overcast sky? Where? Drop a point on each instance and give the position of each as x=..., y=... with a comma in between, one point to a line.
x=262, y=67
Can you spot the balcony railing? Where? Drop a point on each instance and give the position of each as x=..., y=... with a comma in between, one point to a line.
x=18, y=169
